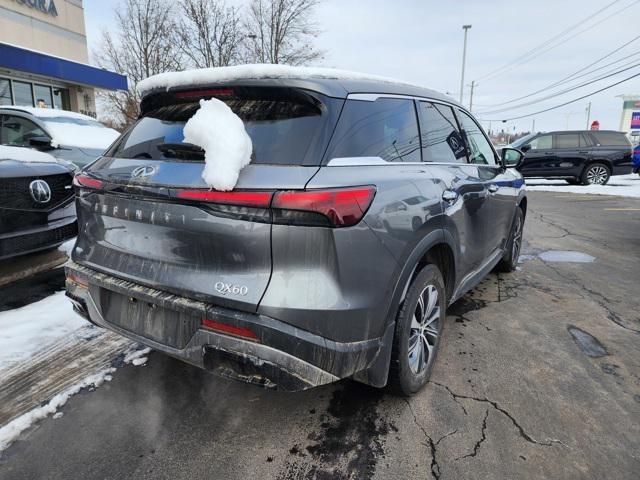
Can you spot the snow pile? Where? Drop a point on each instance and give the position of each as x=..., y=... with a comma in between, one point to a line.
x=137, y=357
x=245, y=72
x=24, y=331
x=25, y=154
x=226, y=144
x=620, y=185
x=11, y=431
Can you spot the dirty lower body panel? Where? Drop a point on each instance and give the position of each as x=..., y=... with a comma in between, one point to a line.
x=245, y=346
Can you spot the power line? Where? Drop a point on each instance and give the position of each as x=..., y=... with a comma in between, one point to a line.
x=562, y=92
x=575, y=75
x=547, y=42
x=562, y=104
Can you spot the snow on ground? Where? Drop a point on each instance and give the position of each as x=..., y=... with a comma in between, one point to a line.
x=26, y=330
x=242, y=72
x=24, y=154
x=11, y=431
x=622, y=185
x=227, y=145
x=67, y=246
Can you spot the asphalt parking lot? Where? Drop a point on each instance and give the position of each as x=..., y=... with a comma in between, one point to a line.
x=538, y=377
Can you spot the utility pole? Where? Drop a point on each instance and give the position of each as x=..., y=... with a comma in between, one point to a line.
x=464, y=59
x=533, y=126
x=473, y=84
x=588, y=114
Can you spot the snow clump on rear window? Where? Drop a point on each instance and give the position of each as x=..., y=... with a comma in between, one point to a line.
x=226, y=144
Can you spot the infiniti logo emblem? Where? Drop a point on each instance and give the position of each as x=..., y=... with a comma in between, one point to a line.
x=143, y=171
x=40, y=191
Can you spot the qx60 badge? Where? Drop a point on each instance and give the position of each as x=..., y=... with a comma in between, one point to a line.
x=228, y=288
x=40, y=191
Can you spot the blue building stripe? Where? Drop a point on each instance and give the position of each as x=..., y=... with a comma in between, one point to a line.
x=17, y=58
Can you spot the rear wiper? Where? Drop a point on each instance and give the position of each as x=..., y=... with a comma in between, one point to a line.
x=182, y=151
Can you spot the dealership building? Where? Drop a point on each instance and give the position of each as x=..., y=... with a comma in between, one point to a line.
x=44, y=57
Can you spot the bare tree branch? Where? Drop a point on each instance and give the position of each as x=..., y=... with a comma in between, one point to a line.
x=210, y=33
x=282, y=31
x=142, y=44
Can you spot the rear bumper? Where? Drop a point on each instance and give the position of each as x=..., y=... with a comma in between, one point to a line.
x=279, y=356
x=37, y=238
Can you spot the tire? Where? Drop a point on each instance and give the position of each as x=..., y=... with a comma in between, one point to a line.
x=416, y=223
x=596, y=174
x=510, y=260
x=416, y=343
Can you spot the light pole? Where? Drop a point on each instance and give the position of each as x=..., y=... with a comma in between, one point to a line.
x=464, y=59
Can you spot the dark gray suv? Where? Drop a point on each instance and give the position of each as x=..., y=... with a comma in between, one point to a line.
x=367, y=209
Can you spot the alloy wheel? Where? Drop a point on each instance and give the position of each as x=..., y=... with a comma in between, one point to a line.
x=597, y=175
x=517, y=240
x=425, y=328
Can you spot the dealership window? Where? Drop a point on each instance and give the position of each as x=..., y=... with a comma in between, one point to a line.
x=22, y=94
x=5, y=91
x=44, y=99
x=29, y=94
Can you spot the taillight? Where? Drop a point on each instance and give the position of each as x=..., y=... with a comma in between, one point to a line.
x=85, y=181
x=340, y=207
x=242, y=332
x=245, y=199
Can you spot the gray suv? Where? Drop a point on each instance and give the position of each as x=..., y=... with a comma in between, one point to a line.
x=367, y=209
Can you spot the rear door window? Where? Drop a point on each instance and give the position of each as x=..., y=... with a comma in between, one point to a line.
x=286, y=128
x=386, y=128
x=567, y=140
x=611, y=139
x=439, y=134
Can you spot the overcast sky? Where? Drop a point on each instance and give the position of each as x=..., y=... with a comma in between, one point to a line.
x=421, y=42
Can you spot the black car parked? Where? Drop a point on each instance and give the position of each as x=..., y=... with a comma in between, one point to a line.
x=587, y=157
x=37, y=211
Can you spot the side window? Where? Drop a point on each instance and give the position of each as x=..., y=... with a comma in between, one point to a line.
x=567, y=140
x=543, y=142
x=441, y=139
x=479, y=149
x=17, y=131
x=609, y=139
x=386, y=128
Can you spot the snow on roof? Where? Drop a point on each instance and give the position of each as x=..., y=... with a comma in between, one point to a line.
x=50, y=113
x=245, y=72
x=24, y=154
x=72, y=129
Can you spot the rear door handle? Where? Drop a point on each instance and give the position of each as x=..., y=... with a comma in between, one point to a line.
x=493, y=188
x=449, y=196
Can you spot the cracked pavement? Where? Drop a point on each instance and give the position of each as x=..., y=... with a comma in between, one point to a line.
x=513, y=393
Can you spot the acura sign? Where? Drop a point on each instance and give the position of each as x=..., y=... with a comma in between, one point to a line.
x=45, y=6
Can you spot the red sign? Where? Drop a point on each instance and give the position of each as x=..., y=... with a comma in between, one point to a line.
x=595, y=125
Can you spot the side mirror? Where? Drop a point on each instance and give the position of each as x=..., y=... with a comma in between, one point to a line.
x=511, y=157
x=525, y=148
x=41, y=143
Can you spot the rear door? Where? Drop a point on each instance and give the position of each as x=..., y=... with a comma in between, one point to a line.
x=462, y=191
x=153, y=219
x=538, y=156
x=572, y=153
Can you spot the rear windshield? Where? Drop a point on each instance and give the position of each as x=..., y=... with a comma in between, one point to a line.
x=611, y=139
x=286, y=127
